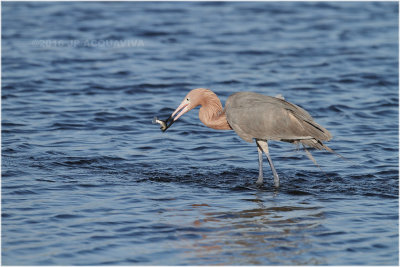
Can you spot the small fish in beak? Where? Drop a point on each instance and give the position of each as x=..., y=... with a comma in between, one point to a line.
x=163, y=123
x=182, y=109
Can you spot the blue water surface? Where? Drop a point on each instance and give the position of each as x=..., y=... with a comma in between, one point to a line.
x=87, y=179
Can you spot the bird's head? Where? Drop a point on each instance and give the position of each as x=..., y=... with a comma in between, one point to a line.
x=192, y=99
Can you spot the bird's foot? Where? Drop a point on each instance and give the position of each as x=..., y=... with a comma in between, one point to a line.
x=276, y=180
x=259, y=180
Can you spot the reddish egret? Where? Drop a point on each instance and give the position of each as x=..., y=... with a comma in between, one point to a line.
x=255, y=117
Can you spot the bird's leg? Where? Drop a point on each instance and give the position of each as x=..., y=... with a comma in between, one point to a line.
x=276, y=177
x=260, y=171
x=264, y=146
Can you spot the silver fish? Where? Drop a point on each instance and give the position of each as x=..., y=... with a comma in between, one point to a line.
x=163, y=124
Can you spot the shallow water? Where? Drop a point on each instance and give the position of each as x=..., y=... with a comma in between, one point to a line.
x=87, y=179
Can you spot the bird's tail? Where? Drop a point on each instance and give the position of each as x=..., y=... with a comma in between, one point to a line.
x=334, y=152
x=309, y=155
x=319, y=145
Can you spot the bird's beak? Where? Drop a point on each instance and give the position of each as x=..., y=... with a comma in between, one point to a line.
x=182, y=109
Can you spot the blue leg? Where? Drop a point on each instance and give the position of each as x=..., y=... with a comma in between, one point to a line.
x=263, y=145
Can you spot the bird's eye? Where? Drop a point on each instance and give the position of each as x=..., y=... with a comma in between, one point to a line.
x=187, y=99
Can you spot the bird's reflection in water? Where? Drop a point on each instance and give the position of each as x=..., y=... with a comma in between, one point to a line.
x=269, y=233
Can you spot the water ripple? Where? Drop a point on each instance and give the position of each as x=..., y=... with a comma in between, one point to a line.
x=87, y=179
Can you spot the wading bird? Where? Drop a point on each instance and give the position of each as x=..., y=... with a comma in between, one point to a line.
x=255, y=117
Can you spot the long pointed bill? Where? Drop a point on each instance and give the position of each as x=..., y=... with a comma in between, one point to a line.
x=182, y=109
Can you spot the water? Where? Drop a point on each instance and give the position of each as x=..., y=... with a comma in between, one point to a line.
x=87, y=179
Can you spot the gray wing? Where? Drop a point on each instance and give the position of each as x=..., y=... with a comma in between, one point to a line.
x=253, y=115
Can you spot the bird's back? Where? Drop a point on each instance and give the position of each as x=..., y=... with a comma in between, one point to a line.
x=253, y=115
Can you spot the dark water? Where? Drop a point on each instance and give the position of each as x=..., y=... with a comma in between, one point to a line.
x=87, y=179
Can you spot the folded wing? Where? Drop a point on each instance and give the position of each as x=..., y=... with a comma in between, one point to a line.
x=253, y=115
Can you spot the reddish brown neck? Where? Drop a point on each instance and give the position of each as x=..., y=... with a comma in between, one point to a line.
x=211, y=112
